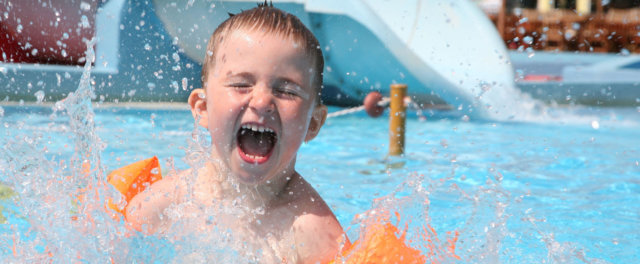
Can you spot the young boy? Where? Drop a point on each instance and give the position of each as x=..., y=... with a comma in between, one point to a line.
x=261, y=99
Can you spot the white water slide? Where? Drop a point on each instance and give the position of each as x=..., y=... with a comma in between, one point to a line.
x=443, y=49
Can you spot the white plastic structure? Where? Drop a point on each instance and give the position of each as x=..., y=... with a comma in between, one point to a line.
x=443, y=49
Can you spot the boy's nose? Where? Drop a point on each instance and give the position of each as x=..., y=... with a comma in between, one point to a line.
x=262, y=100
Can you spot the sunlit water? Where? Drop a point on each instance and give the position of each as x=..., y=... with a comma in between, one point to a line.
x=514, y=192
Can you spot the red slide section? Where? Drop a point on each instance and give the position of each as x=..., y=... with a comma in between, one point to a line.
x=50, y=32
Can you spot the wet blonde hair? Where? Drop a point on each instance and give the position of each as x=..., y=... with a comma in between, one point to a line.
x=270, y=20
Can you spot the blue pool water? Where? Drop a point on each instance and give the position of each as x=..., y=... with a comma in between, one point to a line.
x=557, y=191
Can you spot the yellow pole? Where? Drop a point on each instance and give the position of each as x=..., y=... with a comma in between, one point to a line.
x=544, y=6
x=583, y=7
x=397, y=119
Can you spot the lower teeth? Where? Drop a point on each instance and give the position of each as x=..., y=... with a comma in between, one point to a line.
x=254, y=157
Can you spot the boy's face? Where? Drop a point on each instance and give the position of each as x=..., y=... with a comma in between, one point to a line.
x=260, y=104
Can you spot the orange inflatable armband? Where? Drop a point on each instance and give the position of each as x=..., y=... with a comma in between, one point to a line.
x=134, y=178
x=381, y=245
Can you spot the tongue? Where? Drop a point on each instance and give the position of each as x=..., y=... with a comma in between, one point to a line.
x=255, y=143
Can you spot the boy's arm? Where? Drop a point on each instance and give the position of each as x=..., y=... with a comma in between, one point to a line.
x=319, y=237
x=145, y=211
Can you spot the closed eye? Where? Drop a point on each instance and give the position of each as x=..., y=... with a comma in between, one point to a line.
x=241, y=88
x=287, y=89
x=239, y=85
x=240, y=82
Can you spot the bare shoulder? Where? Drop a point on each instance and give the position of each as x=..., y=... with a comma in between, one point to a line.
x=317, y=232
x=144, y=211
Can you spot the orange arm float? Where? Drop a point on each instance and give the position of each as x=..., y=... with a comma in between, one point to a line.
x=134, y=178
x=382, y=245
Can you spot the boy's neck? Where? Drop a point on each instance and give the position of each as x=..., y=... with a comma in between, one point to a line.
x=253, y=196
x=267, y=194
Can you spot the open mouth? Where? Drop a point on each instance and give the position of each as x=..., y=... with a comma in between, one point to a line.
x=255, y=143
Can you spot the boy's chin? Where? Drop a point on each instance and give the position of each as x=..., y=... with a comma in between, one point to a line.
x=249, y=179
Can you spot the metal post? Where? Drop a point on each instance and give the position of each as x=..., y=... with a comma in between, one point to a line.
x=397, y=119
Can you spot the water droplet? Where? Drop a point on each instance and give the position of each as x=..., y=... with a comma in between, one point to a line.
x=185, y=84
x=2, y=113
x=155, y=171
x=175, y=86
x=84, y=6
x=624, y=52
x=63, y=53
x=58, y=106
x=595, y=124
x=151, y=85
x=39, y=96
x=34, y=52
x=147, y=46
x=65, y=35
x=84, y=21
x=175, y=57
x=19, y=28
x=131, y=93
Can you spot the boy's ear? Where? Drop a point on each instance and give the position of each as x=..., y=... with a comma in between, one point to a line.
x=318, y=117
x=198, y=103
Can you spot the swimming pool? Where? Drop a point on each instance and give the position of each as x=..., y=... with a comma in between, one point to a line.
x=555, y=191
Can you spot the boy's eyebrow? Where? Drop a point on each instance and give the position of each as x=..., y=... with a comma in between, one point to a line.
x=244, y=75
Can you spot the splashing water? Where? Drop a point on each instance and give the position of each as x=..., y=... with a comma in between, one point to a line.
x=60, y=202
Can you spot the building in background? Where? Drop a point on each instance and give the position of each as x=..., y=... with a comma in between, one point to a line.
x=567, y=25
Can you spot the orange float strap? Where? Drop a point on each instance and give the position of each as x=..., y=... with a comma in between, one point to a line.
x=134, y=178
